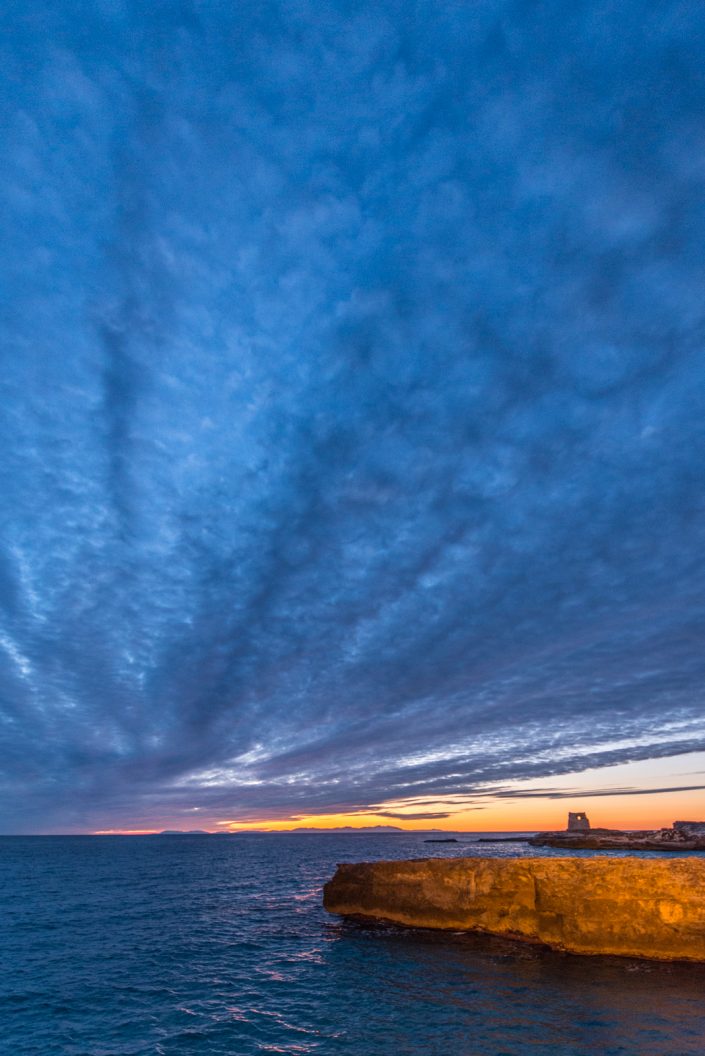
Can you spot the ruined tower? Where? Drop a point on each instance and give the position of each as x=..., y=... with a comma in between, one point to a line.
x=578, y=822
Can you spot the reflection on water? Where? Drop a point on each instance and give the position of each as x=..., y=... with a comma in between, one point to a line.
x=171, y=945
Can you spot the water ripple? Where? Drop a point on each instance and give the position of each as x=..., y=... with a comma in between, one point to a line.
x=170, y=946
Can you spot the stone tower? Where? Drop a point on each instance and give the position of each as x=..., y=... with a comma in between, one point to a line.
x=578, y=822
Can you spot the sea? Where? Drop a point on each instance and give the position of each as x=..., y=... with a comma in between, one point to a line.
x=205, y=945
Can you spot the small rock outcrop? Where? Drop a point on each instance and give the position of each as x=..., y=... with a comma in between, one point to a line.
x=690, y=829
x=634, y=907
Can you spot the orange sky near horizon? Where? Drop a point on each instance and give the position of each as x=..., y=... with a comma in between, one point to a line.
x=647, y=794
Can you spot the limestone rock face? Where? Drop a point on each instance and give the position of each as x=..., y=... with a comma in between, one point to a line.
x=622, y=906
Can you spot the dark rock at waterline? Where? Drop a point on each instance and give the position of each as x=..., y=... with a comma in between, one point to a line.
x=683, y=836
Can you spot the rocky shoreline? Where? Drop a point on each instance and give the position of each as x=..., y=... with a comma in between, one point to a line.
x=682, y=836
x=632, y=906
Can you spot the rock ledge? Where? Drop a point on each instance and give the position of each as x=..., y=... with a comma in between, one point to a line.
x=632, y=907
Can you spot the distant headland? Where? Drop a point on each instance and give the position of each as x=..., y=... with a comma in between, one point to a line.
x=184, y=832
x=579, y=836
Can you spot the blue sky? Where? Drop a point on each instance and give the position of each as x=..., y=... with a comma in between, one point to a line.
x=352, y=403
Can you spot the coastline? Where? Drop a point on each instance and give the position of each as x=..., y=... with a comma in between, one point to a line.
x=633, y=907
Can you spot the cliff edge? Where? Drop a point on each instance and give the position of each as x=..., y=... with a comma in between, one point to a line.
x=631, y=907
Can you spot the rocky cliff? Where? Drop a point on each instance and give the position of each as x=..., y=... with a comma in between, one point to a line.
x=624, y=906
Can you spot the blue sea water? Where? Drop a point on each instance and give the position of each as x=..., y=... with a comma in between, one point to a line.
x=166, y=946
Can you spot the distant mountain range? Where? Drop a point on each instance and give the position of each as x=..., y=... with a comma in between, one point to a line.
x=351, y=828
x=185, y=832
x=342, y=830
x=301, y=829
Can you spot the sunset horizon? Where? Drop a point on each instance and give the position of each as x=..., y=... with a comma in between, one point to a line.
x=609, y=805
x=352, y=463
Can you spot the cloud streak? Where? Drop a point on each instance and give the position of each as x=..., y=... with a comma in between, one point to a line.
x=591, y=793
x=353, y=404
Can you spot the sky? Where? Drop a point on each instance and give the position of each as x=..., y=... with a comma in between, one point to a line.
x=352, y=414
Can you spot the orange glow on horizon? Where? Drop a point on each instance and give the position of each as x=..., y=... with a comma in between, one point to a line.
x=126, y=832
x=618, y=812
x=664, y=793
x=646, y=794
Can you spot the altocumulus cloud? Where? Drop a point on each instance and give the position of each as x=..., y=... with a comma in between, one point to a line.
x=352, y=401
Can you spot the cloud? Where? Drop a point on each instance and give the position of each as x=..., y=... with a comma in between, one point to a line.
x=352, y=445
x=422, y=816
x=530, y=793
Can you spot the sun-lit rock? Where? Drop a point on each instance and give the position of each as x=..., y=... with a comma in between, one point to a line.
x=633, y=907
